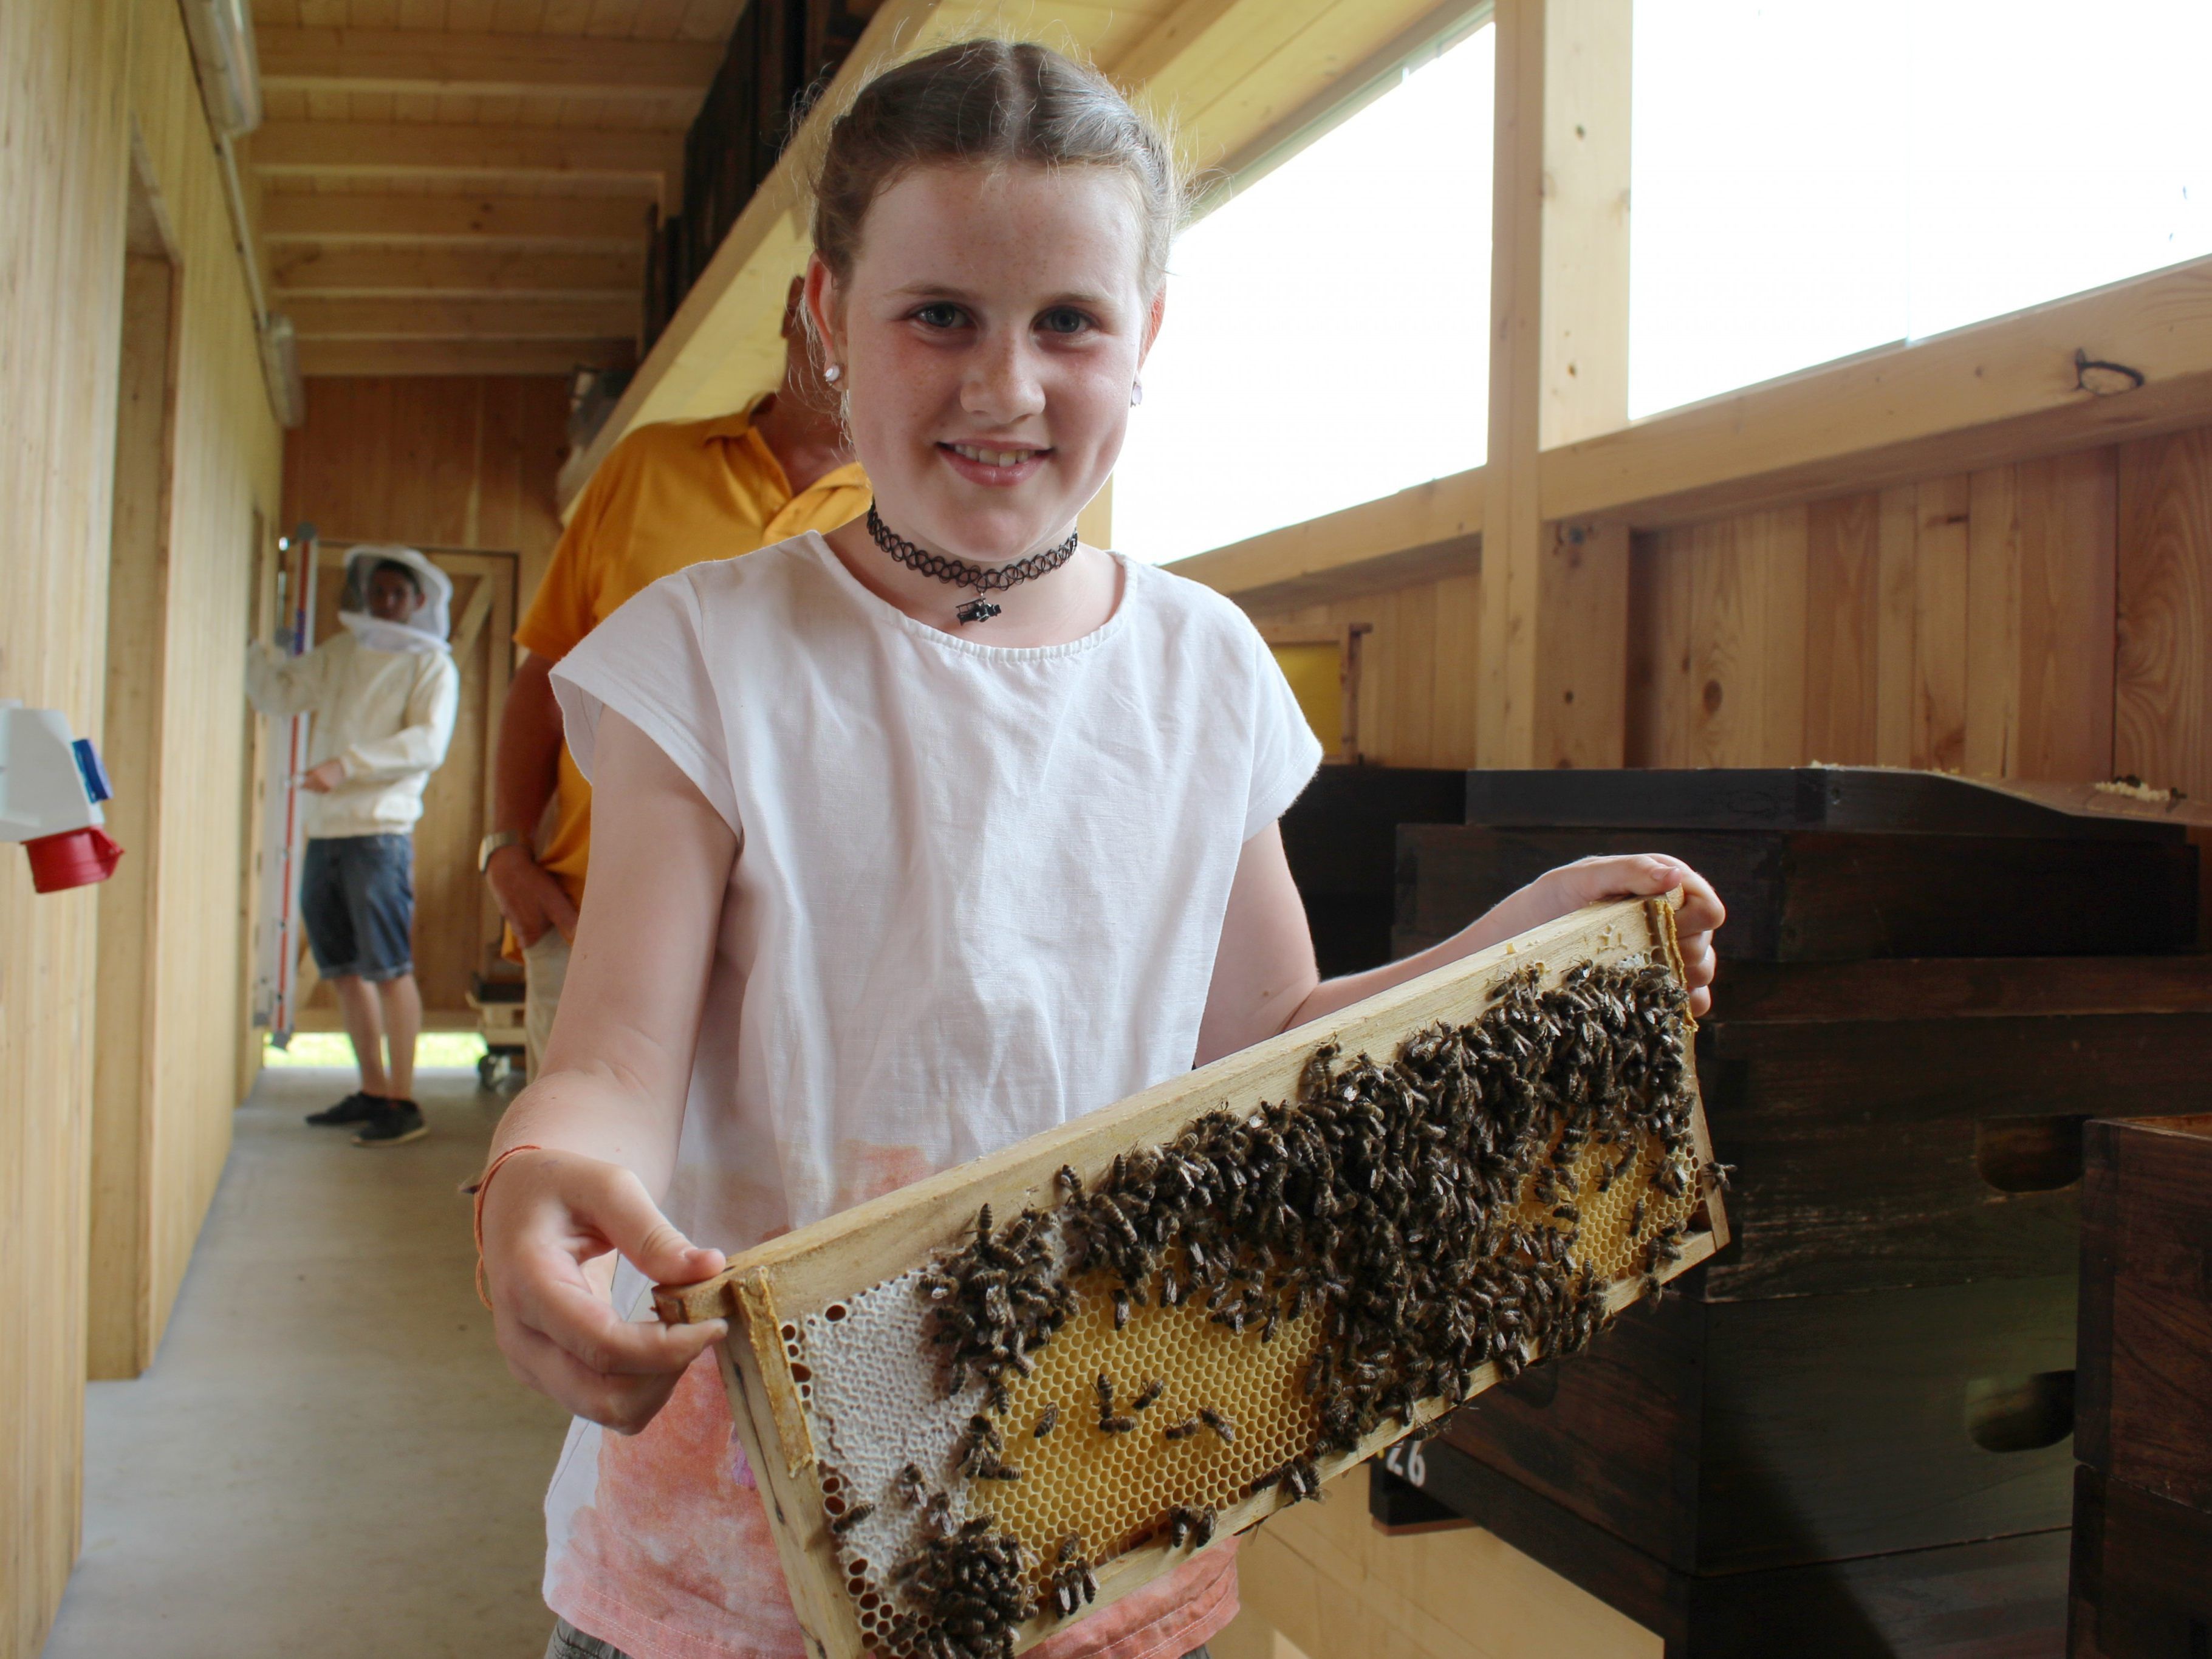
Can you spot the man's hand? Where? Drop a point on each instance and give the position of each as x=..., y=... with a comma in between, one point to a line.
x=1645, y=875
x=529, y=896
x=546, y=1216
x=321, y=779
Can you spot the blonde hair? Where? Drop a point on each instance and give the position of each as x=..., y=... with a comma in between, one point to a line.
x=994, y=103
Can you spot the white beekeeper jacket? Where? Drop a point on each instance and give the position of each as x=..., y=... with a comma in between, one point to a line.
x=386, y=715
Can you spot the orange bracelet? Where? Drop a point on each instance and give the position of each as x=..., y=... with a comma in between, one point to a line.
x=483, y=1182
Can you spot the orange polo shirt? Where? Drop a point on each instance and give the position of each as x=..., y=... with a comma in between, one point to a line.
x=670, y=495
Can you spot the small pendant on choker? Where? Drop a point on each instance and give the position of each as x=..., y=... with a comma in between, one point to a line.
x=977, y=611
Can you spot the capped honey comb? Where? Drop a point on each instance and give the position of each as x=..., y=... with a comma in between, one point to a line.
x=893, y=1422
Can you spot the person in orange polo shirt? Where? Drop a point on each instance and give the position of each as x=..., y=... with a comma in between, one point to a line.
x=671, y=494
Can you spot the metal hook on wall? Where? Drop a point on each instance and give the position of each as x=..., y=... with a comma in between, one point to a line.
x=2104, y=379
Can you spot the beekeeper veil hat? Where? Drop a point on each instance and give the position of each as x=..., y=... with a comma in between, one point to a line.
x=433, y=621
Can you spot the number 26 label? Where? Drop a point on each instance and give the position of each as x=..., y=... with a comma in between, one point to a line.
x=1405, y=1461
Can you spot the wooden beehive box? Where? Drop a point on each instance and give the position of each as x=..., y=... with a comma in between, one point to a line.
x=836, y=1383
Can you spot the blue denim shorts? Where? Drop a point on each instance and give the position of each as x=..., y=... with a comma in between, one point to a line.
x=357, y=899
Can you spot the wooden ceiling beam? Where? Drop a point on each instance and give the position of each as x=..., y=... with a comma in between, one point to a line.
x=458, y=272
x=315, y=318
x=1973, y=398
x=1418, y=534
x=394, y=357
x=550, y=221
x=491, y=65
x=653, y=160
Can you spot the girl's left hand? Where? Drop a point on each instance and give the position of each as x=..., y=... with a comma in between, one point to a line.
x=1643, y=875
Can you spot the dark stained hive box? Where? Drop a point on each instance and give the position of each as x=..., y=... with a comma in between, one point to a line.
x=1341, y=840
x=1851, y=1433
x=1824, y=864
x=2142, y=1515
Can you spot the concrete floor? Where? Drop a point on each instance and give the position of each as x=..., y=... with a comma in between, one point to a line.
x=328, y=1456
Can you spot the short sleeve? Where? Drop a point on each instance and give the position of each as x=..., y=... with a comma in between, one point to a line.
x=648, y=663
x=559, y=613
x=1285, y=751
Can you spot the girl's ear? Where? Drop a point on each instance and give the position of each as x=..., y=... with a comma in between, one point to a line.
x=1159, y=309
x=819, y=308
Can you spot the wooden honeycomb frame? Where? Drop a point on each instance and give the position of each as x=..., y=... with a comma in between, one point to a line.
x=769, y=1292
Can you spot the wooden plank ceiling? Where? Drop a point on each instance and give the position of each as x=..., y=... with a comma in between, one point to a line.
x=451, y=187
x=465, y=185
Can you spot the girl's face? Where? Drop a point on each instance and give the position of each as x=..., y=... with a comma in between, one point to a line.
x=991, y=327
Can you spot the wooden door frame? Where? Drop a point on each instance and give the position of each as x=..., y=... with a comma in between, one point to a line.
x=121, y=1324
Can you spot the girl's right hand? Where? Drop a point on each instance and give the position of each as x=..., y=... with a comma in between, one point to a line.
x=547, y=1214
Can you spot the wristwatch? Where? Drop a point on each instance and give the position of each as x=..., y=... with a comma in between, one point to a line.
x=492, y=842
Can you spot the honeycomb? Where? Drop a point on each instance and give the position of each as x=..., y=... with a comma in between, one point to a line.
x=873, y=1384
x=1116, y=1490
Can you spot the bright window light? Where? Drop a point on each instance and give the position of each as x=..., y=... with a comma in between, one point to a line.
x=1326, y=339
x=1810, y=181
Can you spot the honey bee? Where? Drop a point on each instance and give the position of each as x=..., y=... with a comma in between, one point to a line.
x=1047, y=1420
x=851, y=1519
x=1151, y=1392
x=1220, y=1422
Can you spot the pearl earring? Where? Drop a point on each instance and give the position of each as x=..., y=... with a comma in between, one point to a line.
x=832, y=374
x=1136, y=392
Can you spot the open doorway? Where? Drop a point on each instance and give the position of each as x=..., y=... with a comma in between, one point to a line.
x=120, y=1328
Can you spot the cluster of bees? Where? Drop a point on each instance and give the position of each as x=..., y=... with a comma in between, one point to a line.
x=996, y=1300
x=1387, y=1201
x=966, y=1592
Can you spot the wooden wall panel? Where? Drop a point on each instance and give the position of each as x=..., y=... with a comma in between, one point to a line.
x=78, y=75
x=1582, y=647
x=2162, y=681
x=2046, y=619
x=225, y=468
x=1842, y=629
x=1722, y=608
x=63, y=168
x=1963, y=623
x=435, y=461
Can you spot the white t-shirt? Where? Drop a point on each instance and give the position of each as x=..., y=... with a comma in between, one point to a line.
x=979, y=892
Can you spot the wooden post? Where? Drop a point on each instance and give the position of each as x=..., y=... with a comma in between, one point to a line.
x=1513, y=532
x=1554, y=647
x=1585, y=124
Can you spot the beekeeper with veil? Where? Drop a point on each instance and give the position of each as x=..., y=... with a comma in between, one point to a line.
x=382, y=695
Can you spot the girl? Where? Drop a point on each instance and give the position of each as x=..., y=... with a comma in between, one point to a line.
x=912, y=840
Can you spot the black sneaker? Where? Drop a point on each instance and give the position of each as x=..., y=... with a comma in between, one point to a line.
x=356, y=1107
x=396, y=1122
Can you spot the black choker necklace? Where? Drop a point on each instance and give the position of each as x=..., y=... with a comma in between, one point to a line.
x=961, y=574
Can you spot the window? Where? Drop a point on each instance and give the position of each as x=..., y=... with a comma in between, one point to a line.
x=1326, y=339
x=1810, y=181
